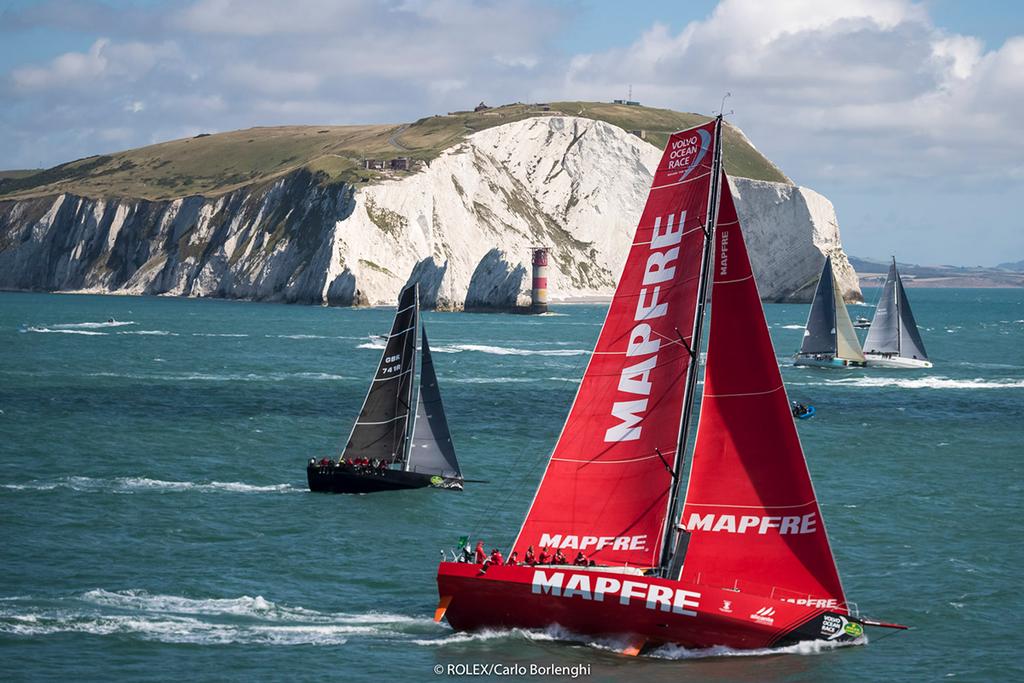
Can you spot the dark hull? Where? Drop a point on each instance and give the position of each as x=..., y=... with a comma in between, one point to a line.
x=345, y=479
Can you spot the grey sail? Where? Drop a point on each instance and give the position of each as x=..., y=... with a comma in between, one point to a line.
x=820, y=332
x=884, y=333
x=432, y=451
x=381, y=430
x=911, y=345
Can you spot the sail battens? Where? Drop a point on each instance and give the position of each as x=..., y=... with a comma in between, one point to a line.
x=394, y=376
x=703, y=176
x=748, y=393
x=729, y=282
x=383, y=422
x=753, y=507
x=399, y=334
x=699, y=228
x=595, y=461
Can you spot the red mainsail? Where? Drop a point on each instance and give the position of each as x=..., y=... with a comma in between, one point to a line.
x=606, y=488
x=750, y=508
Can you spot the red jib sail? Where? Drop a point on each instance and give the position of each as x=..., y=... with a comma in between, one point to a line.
x=750, y=508
x=605, y=490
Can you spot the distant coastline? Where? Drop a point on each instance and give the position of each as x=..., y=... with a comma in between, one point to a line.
x=872, y=274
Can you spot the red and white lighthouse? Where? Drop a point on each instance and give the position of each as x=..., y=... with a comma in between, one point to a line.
x=539, y=291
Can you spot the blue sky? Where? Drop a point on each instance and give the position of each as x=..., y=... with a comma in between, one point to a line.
x=906, y=115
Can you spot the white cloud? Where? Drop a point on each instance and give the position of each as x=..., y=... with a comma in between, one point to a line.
x=866, y=89
x=104, y=61
x=858, y=96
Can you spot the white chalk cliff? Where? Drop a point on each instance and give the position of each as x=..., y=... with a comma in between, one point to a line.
x=462, y=227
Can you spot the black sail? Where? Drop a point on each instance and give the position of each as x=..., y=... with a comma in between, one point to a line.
x=820, y=333
x=381, y=429
x=432, y=451
x=911, y=345
x=884, y=333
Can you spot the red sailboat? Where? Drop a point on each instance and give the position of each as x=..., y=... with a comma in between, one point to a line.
x=746, y=562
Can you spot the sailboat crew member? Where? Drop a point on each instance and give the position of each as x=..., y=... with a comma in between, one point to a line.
x=530, y=559
x=544, y=557
x=480, y=555
x=513, y=558
x=559, y=557
x=496, y=558
x=581, y=560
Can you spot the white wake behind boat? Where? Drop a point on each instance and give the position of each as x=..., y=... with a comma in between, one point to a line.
x=893, y=339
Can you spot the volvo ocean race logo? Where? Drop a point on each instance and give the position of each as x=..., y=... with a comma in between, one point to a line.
x=687, y=154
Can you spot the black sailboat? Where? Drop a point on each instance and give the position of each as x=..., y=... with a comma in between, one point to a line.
x=893, y=340
x=395, y=444
x=829, y=337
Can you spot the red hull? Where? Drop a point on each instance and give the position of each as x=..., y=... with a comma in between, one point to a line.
x=646, y=612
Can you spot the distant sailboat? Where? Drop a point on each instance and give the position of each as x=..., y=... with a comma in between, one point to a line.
x=893, y=340
x=829, y=338
x=393, y=445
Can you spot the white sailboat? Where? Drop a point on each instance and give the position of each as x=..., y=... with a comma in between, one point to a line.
x=829, y=338
x=893, y=340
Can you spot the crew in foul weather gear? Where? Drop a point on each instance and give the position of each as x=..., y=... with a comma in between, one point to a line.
x=559, y=558
x=481, y=555
x=581, y=560
x=530, y=558
x=496, y=557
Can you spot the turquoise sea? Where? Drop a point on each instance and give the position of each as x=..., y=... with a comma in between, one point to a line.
x=155, y=525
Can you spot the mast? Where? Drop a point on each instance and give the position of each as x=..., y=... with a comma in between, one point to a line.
x=711, y=218
x=896, y=302
x=411, y=424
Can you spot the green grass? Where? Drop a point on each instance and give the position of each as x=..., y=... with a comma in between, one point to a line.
x=219, y=163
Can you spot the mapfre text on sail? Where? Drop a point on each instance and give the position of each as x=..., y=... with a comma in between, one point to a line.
x=635, y=377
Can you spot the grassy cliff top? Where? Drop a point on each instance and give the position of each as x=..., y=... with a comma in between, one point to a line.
x=222, y=162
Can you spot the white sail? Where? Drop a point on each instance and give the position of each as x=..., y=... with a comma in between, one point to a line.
x=847, y=344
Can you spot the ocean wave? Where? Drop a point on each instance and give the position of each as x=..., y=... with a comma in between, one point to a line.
x=806, y=647
x=456, y=637
x=256, y=607
x=133, y=484
x=300, y=336
x=483, y=348
x=507, y=351
x=218, y=377
x=90, y=325
x=928, y=383
x=151, y=333
x=179, y=630
x=51, y=330
x=179, y=619
x=618, y=644
x=217, y=334
x=792, y=327
x=491, y=380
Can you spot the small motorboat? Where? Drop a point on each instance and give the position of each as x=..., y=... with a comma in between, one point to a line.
x=802, y=412
x=861, y=323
